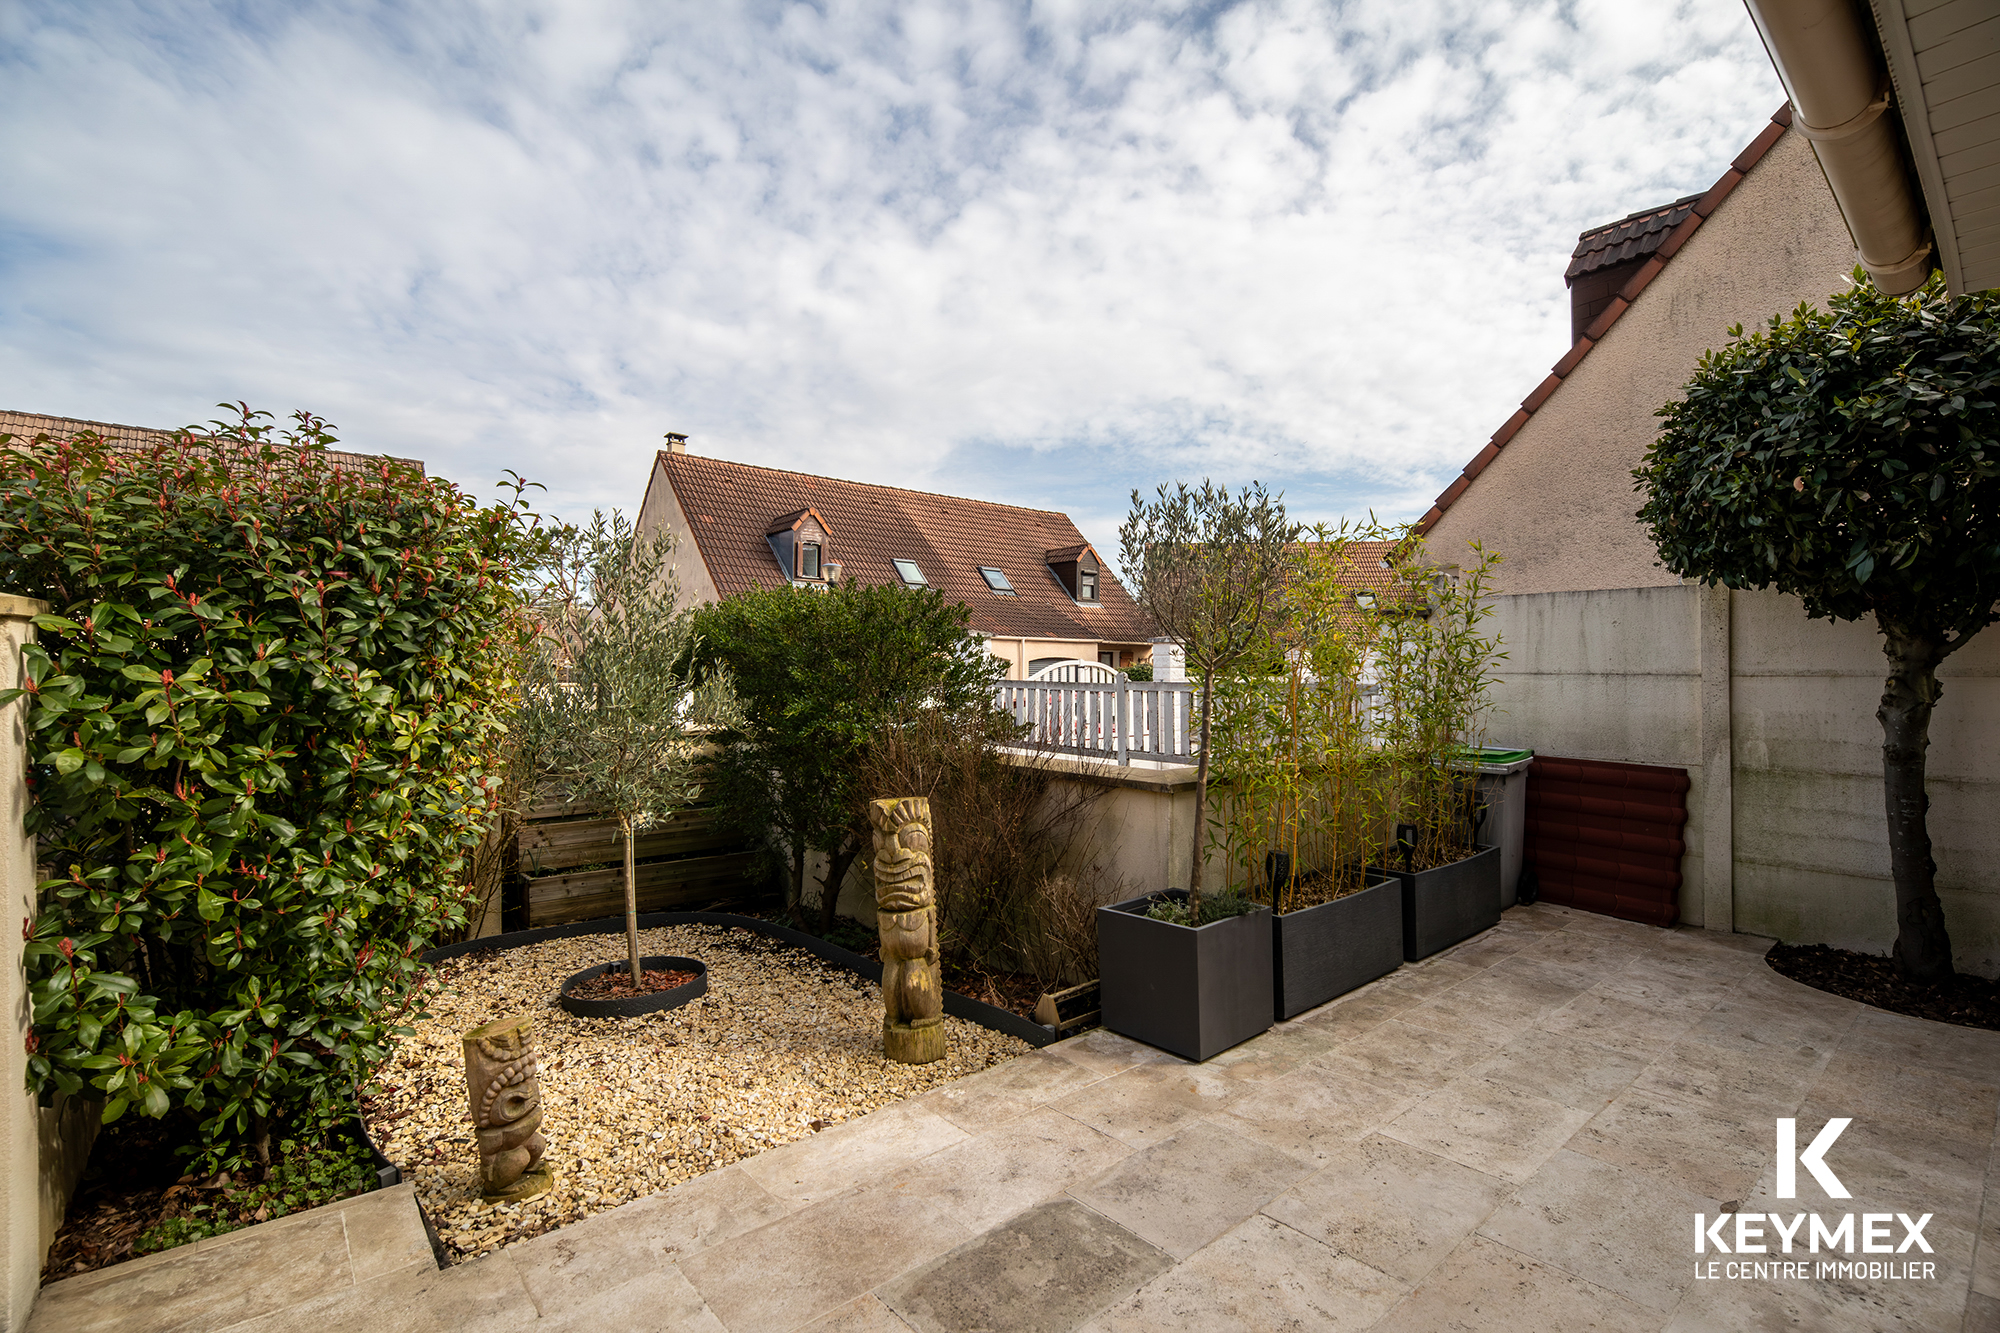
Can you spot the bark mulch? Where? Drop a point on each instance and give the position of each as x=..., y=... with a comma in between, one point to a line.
x=617, y=984
x=133, y=1198
x=1972, y=1002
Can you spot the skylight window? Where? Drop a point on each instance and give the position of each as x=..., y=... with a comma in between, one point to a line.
x=910, y=574
x=996, y=580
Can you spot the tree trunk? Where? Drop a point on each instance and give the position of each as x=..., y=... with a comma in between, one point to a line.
x=836, y=875
x=631, y=900
x=1200, y=801
x=1923, y=946
x=798, y=902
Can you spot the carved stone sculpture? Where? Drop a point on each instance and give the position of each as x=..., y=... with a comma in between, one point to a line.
x=505, y=1097
x=906, y=912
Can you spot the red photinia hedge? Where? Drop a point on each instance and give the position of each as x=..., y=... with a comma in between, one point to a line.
x=263, y=719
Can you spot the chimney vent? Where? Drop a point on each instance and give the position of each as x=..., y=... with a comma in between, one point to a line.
x=1607, y=256
x=676, y=442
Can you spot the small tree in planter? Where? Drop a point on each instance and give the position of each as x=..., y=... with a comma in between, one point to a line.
x=614, y=714
x=1848, y=457
x=1208, y=567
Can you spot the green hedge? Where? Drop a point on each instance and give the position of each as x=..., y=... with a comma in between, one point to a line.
x=263, y=722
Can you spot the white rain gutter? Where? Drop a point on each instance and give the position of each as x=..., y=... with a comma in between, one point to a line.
x=1840, y=93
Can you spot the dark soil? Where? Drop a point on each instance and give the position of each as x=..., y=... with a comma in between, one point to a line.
x=133, y=1198
x=1972, y=1002
x=617, y=984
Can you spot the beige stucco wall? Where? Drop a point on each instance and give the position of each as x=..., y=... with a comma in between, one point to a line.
x=662, y=509
x=45, y=1149
x=1558, y=501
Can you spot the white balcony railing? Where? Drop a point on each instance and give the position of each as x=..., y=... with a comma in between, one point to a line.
x=1121, y=720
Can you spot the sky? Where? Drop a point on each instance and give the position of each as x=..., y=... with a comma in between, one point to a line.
x=1041, y=253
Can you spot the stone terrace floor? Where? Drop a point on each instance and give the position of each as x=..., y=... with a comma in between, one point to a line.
x=1514, y=1134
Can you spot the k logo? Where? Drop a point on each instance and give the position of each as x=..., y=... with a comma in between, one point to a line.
x=1790, y=1159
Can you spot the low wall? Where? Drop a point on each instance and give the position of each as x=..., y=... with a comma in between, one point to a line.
x=45, y=1148
x=1773, y=716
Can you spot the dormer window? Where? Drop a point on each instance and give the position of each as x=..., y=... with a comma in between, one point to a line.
x=996, y=580
x=802, y=545
x=1076, y=568
x=911, y=575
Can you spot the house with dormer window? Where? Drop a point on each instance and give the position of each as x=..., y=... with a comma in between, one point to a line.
x=1037, y=590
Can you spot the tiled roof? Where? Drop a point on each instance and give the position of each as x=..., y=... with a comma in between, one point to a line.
x=1629, y=293
x=1631, y=237
x=730, y=506
x=25, y=426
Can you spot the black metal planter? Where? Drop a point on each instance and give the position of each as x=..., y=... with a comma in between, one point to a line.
x=1321, y=952
x=628, y=1006
x=1192, y=990
x=1448, y=903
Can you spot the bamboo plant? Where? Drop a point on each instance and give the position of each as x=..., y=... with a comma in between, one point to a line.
x=1432, y=668
x=1302, y=777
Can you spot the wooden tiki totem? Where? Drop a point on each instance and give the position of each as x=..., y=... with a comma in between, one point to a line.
x=505, y=1095
x=906, y=912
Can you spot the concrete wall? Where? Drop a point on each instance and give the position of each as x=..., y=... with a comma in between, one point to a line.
x=1558, y=501
x=45, y=1149
x=1773, y=716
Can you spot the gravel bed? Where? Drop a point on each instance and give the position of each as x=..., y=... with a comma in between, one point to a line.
x=782, y=1045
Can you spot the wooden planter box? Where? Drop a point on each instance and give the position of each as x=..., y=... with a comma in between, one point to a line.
x=1192, y=990
x=1321, y=952
x=1448, y=903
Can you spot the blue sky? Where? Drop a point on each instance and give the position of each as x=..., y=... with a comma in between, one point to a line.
x=1033, y=252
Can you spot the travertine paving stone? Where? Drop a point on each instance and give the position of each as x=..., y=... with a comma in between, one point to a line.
x=1515, y=1134
x=1051, y=1267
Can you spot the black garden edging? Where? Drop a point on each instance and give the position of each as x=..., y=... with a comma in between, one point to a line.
x=628, y=1006
x=958, y=1006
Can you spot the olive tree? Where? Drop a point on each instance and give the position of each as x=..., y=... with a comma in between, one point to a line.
x=1851, y=457
x=613, y=716
x=1209, y=568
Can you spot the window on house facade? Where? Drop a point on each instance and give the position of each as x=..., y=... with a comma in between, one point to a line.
x=996, y=580
x=1086, y=584
x=907, y=570
x=1108, y=659
x=809, y=560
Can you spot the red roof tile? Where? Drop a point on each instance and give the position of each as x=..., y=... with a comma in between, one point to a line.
x=25, y=426
x=1660, y=232
x=731, y=506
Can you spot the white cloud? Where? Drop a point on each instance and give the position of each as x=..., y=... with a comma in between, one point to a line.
x=1041, y=253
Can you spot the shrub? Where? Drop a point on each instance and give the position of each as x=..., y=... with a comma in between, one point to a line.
x=819, y=676
x=260, y=727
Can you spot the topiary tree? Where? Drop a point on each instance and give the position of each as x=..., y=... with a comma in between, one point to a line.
x=1851, y=457
x=819, y=675
x=261, y=722
x=1208, y=567
x=613, y=717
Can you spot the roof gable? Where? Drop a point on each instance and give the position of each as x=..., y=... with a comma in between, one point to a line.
x=728, y=508
x=1668, y=246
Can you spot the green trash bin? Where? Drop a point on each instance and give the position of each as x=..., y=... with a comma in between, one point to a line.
x=1503, y=789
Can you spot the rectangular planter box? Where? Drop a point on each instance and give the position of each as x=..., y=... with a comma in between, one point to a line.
x=1446, y=904
x=1194, y=991
x=1328, y=950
